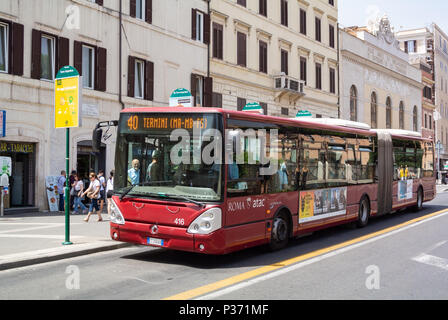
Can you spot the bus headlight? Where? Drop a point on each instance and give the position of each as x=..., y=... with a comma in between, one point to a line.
x=206, y=223
x=115, y=214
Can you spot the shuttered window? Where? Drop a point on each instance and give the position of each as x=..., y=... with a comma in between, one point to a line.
x=284, y=61
x=4, y=39
x=241, y=49
x=47, y=60
x=49, y=54
x=302, y=21
x=332, y=80
x=284, y=12
x=202, y=90
x=200, y=26
x=263, y=47
x=218, y=41
x=318, y=29
x=88, y=67
x=139, y=75
x=263, y=7
x=91, y=63
x=303, y=70
x=241, y=103
x=141, y=9
x=140, y=79
x=318, y=76
x=331, y=36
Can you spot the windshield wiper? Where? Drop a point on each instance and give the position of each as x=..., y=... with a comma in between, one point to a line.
x=186, y=199
x=125, y=193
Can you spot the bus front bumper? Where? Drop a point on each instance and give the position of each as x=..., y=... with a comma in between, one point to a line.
x=168, y=237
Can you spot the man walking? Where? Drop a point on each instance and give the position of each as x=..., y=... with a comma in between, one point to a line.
x=61, y=185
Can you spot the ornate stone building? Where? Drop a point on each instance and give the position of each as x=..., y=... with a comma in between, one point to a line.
x=378, y=85
x=281, y=54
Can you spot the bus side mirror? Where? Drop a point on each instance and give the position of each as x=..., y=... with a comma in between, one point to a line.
x=96, y=139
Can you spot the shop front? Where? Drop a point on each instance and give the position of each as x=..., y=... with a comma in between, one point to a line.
x=23, y=173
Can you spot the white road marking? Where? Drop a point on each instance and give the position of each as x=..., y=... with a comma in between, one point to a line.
x=38, y=236
x=432, y=261
x=41, y=226
x=280, y=272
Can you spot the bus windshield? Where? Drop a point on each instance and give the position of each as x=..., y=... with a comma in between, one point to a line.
x=148, y=155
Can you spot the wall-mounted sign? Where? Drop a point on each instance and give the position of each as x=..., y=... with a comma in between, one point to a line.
x=253, y=107
x=67, y=98
x=5, y=166
x=181, y=97
x=303, y=113
x=16, y=147
x=2, y=123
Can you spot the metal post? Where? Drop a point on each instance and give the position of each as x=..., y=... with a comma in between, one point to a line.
x=67, y=189
x=2, y=208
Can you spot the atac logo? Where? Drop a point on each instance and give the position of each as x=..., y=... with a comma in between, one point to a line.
x=249, y=203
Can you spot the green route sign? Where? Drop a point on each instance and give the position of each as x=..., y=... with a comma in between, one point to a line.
x=181, y=97
x=253, y=107
x=303, y=113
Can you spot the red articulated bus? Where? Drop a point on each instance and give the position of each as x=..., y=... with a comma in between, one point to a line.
x=216, y=181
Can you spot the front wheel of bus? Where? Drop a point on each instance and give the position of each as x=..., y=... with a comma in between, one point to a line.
x=280, y=232
x=364, y=212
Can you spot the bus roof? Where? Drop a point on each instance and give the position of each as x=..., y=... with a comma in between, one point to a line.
x=310, y=123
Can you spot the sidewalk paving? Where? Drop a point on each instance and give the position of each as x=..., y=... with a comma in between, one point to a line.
x=32, y=238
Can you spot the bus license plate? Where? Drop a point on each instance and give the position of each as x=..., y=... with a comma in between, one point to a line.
x=155, y=242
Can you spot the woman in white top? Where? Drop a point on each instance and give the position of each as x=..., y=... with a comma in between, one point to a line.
x=93, y=192
x=110, y=187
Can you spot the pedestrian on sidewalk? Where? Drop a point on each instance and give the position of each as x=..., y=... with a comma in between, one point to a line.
x=61, y=186
x=102, y=189
x=72, y=195
x=78, y=188
x=109, y=190
x=93, y=192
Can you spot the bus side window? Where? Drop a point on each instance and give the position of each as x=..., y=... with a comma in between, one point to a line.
x=311, y=172
x=284, y=179
x=366, y=158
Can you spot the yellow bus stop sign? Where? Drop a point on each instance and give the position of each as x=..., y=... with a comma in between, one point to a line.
x=67, y=98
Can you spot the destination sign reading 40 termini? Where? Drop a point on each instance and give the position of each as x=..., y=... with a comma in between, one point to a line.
x=146, y=122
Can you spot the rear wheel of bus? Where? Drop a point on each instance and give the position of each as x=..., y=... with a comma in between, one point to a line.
x=363, y=212
x=420, y=199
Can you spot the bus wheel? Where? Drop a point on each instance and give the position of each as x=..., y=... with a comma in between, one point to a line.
x=280, y=232
x=419, y=205
x=363, y=213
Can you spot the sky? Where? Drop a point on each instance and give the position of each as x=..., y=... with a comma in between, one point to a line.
x=403, y=14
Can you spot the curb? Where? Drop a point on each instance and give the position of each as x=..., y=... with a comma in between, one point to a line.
x=48, y=255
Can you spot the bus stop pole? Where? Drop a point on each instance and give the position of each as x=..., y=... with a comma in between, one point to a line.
x=67, y=189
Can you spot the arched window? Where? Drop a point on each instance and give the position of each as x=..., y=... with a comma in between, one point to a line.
x=373, y=111
x=388, y=113
x=353, y=104
x=415, y=119
x=401, y=115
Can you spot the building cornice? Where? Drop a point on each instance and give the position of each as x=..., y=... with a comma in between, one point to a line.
x=354, y=58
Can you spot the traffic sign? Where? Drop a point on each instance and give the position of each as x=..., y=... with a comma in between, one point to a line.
x=253, y=107
x=181, y=97
x=303, y=113
x=67, y=98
